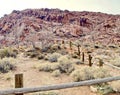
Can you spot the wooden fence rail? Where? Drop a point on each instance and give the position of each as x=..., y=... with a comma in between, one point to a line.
x=110, y=65
x=58, y=86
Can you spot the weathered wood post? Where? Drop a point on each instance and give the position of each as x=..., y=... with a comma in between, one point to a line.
x=78, y=50
x=63, y=43
x=19, y=82
x=101, y=62
x=83, y=57
x=70, y=44
x=90, y=59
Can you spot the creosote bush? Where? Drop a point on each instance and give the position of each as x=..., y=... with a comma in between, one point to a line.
x=7, y=64
x=87, y=73
x=32, y=54
x=54, y=57
x=64, y=65
x=116, y=61
x=103, y=88
x=56, y=73
x=8, y=52
x=41, y=56
x=115, y=86
x=78, y=61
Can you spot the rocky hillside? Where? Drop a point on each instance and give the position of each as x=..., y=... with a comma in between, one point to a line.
x=35, y=25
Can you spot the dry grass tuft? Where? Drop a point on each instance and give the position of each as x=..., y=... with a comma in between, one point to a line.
x=87, y=73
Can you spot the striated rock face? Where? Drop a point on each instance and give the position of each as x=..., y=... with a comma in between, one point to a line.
x=33, y=24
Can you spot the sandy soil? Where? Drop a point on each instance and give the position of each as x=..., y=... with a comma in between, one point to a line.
x=34, y=78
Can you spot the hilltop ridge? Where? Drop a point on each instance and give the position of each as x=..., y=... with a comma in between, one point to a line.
x=37, y=24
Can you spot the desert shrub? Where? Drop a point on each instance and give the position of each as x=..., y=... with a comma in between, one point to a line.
x=87, y=73
x=78, y=62
x=32, y=53
x=56, y=73
x=65, y=65
x=55, y=48
x=103, y=88
x=47, y=67
x=41, y=56
x=7, y=52
x=101, y=73
x=74, y=55
x=115, y=85
x=6, y=64
x=54, y=57
x=82, y=74
x=115, y=61
x=96, y=46
x=112, y=46
x=63, y=52
x=45, y=49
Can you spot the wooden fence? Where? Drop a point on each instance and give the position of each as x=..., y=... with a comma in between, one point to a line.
x=21, y=91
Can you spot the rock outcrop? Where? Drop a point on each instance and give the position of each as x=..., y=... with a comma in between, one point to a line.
x=32, y=24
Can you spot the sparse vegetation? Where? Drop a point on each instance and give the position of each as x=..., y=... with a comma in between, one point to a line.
x=64, y=65
x=6, y=64
x=56, y=73
x=8, y=52
x=78, y=62
x=47, y=67
x=115, y=61
x=87, y=73
x=54, y=57
x=103, y=89
x=115, y=86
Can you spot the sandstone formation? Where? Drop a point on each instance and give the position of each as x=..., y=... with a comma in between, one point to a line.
x=34, y=25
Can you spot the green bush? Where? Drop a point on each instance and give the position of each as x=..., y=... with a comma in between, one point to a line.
x=82, y=74
x=103, y=88
x=54, y=57
x=74, y=55
x=6, y=65
x=41, y=56
x=78, y=62
x=101, y=73
x=115, y=86
x=116, y=61
x=55, y=48
x=7, y=52
x=32, y=53
x=87, y=73
x=47, y=67
x=56, y=73
x=65, y=65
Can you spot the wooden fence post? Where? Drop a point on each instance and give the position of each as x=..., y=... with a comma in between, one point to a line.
x=19, y=82
x=63, y=43
x=90, y=58
x=100, y=62
x=78, y=51
x=82, y=56
x=70, y=45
